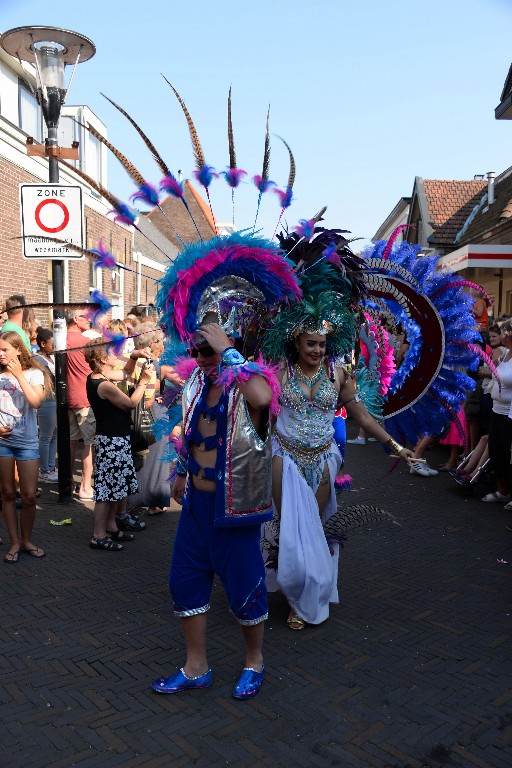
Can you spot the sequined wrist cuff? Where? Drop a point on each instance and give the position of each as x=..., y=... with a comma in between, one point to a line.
x=232, y=357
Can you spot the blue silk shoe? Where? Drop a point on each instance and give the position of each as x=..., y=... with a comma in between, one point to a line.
x=249, y=683
x=180, y=682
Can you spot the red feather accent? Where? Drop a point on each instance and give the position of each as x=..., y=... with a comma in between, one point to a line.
x=483, y=356
x=387, y=250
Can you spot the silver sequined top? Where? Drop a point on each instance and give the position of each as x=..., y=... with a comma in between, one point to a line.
x=306, y=421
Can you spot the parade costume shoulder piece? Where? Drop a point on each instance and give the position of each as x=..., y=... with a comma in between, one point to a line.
x=434, y=312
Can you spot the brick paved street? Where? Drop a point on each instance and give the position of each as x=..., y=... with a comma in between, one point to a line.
x=412, y=670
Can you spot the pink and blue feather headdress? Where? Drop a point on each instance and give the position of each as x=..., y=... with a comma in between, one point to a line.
x=242, y=271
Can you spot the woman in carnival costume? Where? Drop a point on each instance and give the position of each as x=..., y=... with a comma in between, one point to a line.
x=310, y=339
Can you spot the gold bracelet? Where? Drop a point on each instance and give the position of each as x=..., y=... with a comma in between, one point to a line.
x=395, y=447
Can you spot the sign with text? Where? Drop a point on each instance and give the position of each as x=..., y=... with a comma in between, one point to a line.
x=51, y=211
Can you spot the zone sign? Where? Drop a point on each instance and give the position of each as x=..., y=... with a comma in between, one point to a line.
x=51, y=211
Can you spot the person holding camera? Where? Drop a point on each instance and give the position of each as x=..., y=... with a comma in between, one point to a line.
x=114, y=473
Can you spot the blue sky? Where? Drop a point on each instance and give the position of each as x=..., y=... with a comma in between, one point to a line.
x=368, y=94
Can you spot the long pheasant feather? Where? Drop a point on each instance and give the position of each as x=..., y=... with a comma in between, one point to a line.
x=286, y=195
x=346, y=519
x=146, y=192
x=231, y=138
x=232, y=174
x=291, y=175
x=160, y=162
x=196, y=144
x=266, y=153
x=204, y=173
x=124, y=213
x=129, y=167
x=263, y=183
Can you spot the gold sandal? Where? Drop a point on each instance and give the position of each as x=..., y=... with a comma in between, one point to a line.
x=295, y=622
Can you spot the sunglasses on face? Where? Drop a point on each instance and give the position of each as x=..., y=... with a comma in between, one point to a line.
x=204, y=351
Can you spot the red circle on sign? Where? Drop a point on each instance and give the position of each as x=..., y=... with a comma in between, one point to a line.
x=65, y=211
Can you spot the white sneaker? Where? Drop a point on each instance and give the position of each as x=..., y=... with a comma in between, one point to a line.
x=53, y=476
x=496, y=496
x=357, y=441
x=418, y=468
x=431, y=471
x=372, y=440
x=43, y=477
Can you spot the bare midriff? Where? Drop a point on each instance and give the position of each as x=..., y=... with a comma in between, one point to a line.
x=206, y=459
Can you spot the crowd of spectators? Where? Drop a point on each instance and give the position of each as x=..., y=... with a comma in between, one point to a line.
x=28, y=420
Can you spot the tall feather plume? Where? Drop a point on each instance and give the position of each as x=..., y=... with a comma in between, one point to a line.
x=132, y=171
x=169, y=183
x=266, y=153
x=204, y=173
x=156, y=156
x=194, y=138
x=231, y=138
x=233, y=175
x=147, y=193
x=286, y=195
x=124, y=213
x=263, y=182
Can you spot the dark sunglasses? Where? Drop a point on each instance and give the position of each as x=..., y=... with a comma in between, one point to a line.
x=206, y=351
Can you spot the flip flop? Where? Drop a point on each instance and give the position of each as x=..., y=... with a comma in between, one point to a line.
x=34, y=552
x=11, y=558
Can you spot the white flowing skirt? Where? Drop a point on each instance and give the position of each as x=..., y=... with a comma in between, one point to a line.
x=307, y=572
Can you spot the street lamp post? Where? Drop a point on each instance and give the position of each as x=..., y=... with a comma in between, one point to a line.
x=50, y=49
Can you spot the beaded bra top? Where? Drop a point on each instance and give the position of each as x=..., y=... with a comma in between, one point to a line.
x=324, y=399
x=305, y=422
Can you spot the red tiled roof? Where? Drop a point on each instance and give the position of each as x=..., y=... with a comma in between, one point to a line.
x=492, y=215
x=177, y=214
x=449, y=205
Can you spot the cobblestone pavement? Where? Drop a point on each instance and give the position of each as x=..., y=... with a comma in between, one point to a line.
x=412, y=669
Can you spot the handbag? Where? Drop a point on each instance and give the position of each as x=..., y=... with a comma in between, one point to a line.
x=141, y=434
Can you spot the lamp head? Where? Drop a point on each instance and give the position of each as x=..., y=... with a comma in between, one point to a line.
x=50, y=49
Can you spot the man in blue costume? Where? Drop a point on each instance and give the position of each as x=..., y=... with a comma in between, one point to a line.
x=224, y=485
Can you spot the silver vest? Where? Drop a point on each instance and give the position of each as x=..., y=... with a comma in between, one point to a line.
x=244, y=493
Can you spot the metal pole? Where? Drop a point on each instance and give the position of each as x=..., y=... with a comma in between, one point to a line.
x=63, y=443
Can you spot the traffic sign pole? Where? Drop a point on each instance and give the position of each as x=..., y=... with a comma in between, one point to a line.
x=65, y=469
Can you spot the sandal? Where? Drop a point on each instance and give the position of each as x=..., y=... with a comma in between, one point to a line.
x=36, y=552
x=105, y=543
x=446, y=467
x=295, y=622
x=11, y=558
x=121, y=536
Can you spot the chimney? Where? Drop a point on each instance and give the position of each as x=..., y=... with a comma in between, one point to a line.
x=490, y=187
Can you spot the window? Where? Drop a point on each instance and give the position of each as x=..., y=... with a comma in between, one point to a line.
x=30, y=116
x=93, y=158
x=66, y=133
x=116, y=280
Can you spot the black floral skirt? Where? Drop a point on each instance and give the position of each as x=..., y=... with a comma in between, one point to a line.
x=114, y=473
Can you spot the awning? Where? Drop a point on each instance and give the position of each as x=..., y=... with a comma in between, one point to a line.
x=492, y=256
